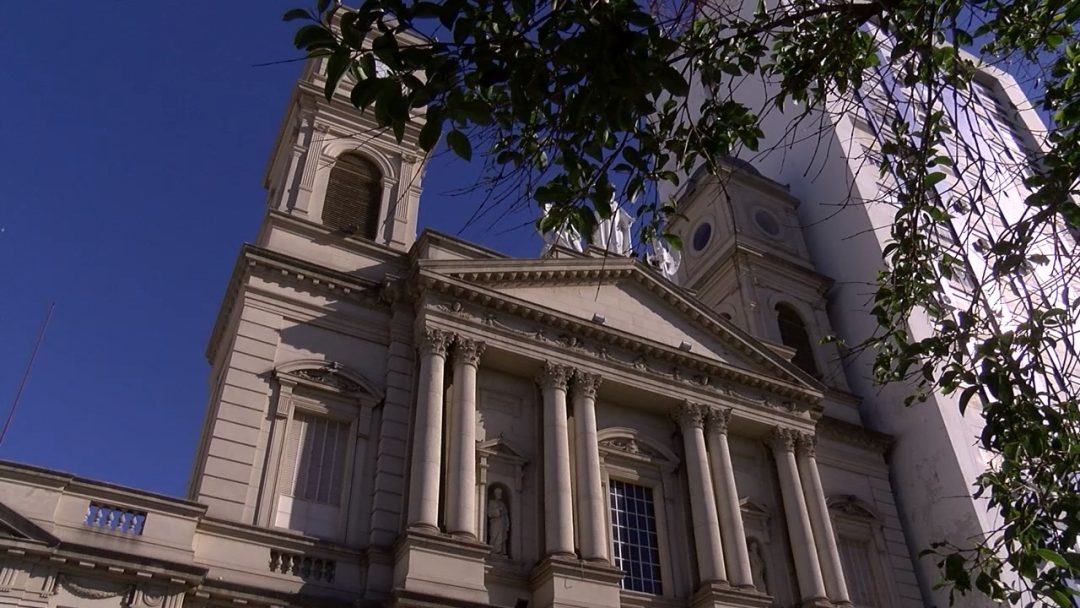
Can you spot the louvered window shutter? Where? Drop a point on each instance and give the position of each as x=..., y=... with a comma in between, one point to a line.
x=353, y=194
x=321, y=463
x=855, y=557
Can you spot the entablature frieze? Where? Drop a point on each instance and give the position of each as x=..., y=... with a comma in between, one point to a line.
x=492, y=312
x=615, y=364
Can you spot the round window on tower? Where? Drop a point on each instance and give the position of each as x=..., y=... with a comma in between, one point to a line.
x=767, y=222
x=702, y=236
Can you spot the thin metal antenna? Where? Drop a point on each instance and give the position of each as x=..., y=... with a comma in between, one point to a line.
x=26, y=374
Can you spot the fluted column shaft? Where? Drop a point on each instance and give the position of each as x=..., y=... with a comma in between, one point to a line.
x=427, y=431
x=727, y=499
x=558, y=503
x=590, y=502
x=807, y=568
x=461, y=476
x=691, y=419
x=829, y=556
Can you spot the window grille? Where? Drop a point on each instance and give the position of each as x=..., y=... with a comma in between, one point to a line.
x=637, y=547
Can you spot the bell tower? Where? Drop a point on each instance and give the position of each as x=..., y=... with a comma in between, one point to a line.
x=333, y=167
x=744, y=255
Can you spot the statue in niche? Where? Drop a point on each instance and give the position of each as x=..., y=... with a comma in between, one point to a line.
x=757, y=564
x=498, y=517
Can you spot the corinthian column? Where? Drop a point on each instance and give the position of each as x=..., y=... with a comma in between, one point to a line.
x=727, y=499
x=691, y=419
x=827, y=552
x=807, y=568
x=427, y=431
x=590, y=502
x=558, y=504
x=461, y=477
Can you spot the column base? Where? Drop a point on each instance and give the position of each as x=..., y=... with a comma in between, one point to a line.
x=567, y=582
x=721, y=595
x=436, y=565
x=817, y=602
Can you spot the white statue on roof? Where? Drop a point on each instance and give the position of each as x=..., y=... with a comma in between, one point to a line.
x=615, y=234
x=566, y=237
x=665, y=259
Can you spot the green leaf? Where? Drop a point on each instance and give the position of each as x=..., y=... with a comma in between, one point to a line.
x=1052, y=557
x=313, y=37
x=365, y=92
x=459, y=144
x=933, y=178
x=297, y=13
x=430, y=132
x=335, y=68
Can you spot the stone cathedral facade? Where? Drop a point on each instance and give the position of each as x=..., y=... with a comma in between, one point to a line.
x=420, y=421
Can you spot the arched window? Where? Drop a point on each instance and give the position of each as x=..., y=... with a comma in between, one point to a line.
x=353, y=193
x=793, y=334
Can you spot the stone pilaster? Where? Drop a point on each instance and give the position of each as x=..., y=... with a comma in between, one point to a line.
x=807, y=567
x=427, y=431
x=590, y=502
x=828, y=554
x=461, y=461
x=691, y=420
x=727, y=499
x=558, y=503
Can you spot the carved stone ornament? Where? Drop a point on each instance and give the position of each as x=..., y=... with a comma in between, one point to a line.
x=850, y=505
x=329, y=375
x=554, y=375
x=718, y=419
x=152, y=597
x=586, y=384
x=691, y=415
x=393, y=290
x=805, y=444
x=468, y=351
x=96, y=590
x=628, y=445
x=783, y=439
x=434, y=341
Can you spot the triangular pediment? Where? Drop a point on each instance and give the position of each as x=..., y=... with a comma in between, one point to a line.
x=14, y=526
x=622, y=296
x=500, y=447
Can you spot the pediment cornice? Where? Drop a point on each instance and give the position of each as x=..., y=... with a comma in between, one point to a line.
x=606, y=270
x=492, y=310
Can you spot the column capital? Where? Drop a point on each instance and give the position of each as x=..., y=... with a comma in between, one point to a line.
x=432, y=341
x=718, y=419
x=468, y=351
x=783, y=439
x=805, y=443
x=690, y=415
x=586, y=383
x=553, y=375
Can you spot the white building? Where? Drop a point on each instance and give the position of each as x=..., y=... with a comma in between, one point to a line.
x=425, y=422
x=832, y=166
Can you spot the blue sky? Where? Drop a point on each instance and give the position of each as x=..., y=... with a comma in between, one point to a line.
x=134, y=139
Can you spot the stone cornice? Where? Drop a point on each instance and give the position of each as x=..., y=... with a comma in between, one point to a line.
x=607, y=343
x=287, y=269
x=472, y=278
x=853, y=434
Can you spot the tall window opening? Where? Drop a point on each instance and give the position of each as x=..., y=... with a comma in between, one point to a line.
x=634, y=535
x=313, y=469
x=793, y=334
x=855, y=559
x=353, y=193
